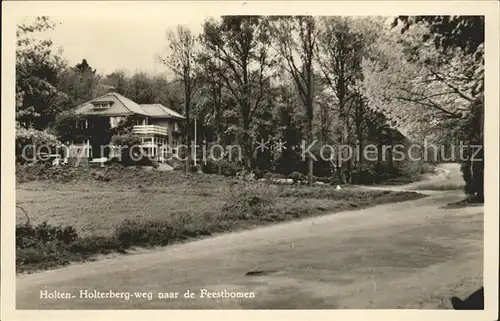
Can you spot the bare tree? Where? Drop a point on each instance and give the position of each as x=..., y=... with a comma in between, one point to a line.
x=181, y=60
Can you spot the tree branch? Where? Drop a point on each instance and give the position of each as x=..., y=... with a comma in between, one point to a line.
x=454, y=88
x=431, y=104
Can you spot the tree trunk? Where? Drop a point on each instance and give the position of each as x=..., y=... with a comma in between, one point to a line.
x=348, y=171
x=310, y=116
x=481, y=155
x=247, y=147
x=339, y=162
x=380, y=154
x=348, y=168
x=187, y=134
x=359, y=156
x=389, y=158
x=310, y=169
x=310, y=161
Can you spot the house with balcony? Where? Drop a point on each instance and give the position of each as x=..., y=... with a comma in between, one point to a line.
x=156, y=125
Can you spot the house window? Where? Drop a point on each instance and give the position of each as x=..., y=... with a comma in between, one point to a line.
x=114, y=121
x=147, y=141
x=101, y=105
x=82, y=124
x=143, y=121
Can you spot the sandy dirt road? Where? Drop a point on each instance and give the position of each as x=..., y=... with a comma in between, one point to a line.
x=413, y=255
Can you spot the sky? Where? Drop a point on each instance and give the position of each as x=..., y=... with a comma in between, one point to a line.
x=116, y=42
x=112, y=40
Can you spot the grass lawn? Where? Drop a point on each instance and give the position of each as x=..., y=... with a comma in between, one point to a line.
x=139, y=207
x=439, y=186
x=97, y=209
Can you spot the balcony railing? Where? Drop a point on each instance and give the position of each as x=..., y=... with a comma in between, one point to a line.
x=150, y=130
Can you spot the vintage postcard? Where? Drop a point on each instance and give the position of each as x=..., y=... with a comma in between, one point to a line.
x=283, y=160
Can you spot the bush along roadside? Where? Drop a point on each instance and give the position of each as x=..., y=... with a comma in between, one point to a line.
x=45, y=246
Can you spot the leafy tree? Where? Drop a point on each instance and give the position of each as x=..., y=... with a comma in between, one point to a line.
x=289, y=126
x=212, y=88
x=141, y=88
x=297, y=38
x=117, y=81
x=81, y=83
x=241, y=44
x=340, y=52
x=435, y=80
x=145, y=89
x=126, y=125
x=38, y=73
x=448, y=32
x=167, y=93
x=68, y=127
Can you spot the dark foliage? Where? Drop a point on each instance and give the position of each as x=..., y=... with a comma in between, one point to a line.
x=222, y=167
x=466, y=32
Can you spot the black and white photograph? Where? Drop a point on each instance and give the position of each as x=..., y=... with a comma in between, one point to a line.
x=251, y=160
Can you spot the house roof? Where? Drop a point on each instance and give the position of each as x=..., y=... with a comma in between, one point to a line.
x=121, y=105
x=158, y=110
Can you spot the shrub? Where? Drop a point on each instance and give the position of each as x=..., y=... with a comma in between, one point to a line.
x=473, y=174
x=324, y=179
x=42, y=255
x=176, y=164
x=131, y=154
x=323, y=168
x=126, y=125
x=128, y=140
x=297, y=176
x=248, y=202
x=43, y=245
x=259, y=173
x=472, y=131
x=230, y=168
x=46, y=245
x=66, y=129
x=365, y=175
x=39, y=171
x=96, y=245
x=289, y=162
x=144, y=233
x=29, y=141
x=144, y=161
x=271, y=175
x=32, y=236
x=427, y=169
x=227, y=168
x=209, y=167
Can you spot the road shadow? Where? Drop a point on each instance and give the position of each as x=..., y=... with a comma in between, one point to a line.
x=475, y=301
x=467, y=202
